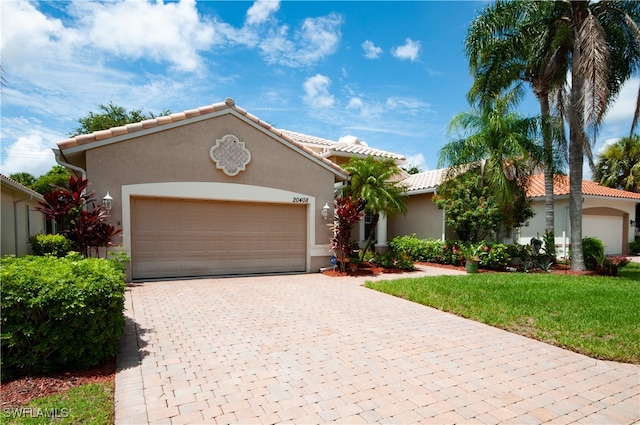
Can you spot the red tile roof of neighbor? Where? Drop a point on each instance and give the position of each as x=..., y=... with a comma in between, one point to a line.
x=228, y=104
x=561, y=187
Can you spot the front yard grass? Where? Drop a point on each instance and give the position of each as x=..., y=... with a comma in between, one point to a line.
x=593, y=315
x=86, y=404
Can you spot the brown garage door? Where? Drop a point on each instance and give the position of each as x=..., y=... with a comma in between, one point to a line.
x=181, y=237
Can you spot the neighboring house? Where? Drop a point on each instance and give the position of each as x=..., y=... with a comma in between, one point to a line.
x=20, y=220
x=210, y=191
x=610, y=215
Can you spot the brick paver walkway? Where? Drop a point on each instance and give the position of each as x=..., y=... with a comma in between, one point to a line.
x=313, y=349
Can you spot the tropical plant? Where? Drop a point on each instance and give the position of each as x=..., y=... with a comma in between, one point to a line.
x=23, y=178
x=77, y=217
x=605, y=42
x=472, y=210
x=372, y=182
x=346, y=214
x=512, y=42
x=497, y=139
x=111, y=116
x=58, y=176
x=618, y=165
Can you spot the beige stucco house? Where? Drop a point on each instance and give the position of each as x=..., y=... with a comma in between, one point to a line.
x=19, y=220
x=210, y=191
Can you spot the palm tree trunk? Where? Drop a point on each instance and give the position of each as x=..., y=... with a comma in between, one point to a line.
x=576, y=141
x=367, y=244
x=547, y=141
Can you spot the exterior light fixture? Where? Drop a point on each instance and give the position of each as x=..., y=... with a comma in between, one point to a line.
x=107, y=202
x=632, y=222
x=325, y=211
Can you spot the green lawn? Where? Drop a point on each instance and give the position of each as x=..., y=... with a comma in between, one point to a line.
x=596, y=316
x=88, y=404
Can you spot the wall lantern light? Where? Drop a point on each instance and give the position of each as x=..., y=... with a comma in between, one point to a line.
x=107, y=202
x=632, y=222
x=325, y=211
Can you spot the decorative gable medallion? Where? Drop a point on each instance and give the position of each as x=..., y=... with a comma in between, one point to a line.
x=230, y=155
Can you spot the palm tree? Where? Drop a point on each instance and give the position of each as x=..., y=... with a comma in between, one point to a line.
x=605, y=52
x=498, y=139
x=373, y=182
x=512, y=42
x=618, y=165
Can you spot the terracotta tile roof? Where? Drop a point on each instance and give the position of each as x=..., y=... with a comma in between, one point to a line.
x=228, y=104
x=305, y=138
x=561, y=187
x=425, y=181
x=20, y=187
x=331, y=148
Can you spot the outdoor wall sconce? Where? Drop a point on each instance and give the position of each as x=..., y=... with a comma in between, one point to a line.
x=632, y=222
x=107, y=202
x=325, y=211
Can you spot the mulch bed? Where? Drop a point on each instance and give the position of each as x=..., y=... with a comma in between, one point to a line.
x=19, y=392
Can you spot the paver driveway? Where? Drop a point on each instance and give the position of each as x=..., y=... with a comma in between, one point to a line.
x=314, y=349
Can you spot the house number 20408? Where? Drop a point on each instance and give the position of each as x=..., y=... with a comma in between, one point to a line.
x=297, y=200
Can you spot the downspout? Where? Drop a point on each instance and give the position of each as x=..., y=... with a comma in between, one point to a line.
x=59, y=159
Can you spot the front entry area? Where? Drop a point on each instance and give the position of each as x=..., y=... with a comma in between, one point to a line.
x=193, y=237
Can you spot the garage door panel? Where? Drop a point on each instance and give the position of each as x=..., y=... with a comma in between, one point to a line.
x=178, y=237
x=606, y=228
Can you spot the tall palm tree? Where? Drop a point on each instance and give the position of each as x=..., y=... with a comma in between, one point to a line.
x=373, y=182
x=618, y=165
x=605, y=52
x=512, y=42
x=497, y=138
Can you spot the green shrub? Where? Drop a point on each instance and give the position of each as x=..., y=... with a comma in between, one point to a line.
x=634, y=247
x=496, y=256
x=59, y=313
x=414, y=248
x=56, y=245
x=393, y=260
x=515, y=250
x=592, y=250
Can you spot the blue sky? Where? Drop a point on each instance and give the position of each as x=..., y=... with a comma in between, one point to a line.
x=392, y=74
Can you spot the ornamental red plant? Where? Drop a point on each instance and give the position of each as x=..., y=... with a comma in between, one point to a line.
x=77, y=216
x=347, y=212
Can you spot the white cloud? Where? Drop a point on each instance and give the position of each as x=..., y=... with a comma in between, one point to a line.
x=316, y=39
x=411, y=105
x=30, y=153
x=408, y=51
x=371, y=51
x=416, y=160
x=355, y=103
x=317, y=93
x=625, y=104
x=172, y=32
x=261, y=10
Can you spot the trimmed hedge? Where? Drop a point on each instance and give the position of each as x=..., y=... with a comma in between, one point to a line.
x=59, y=313
x=495, y=256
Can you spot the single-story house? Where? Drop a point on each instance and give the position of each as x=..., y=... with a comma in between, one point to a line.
x=210, y=191
x=609, y=214
x=217, y=191
x=20, y=220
